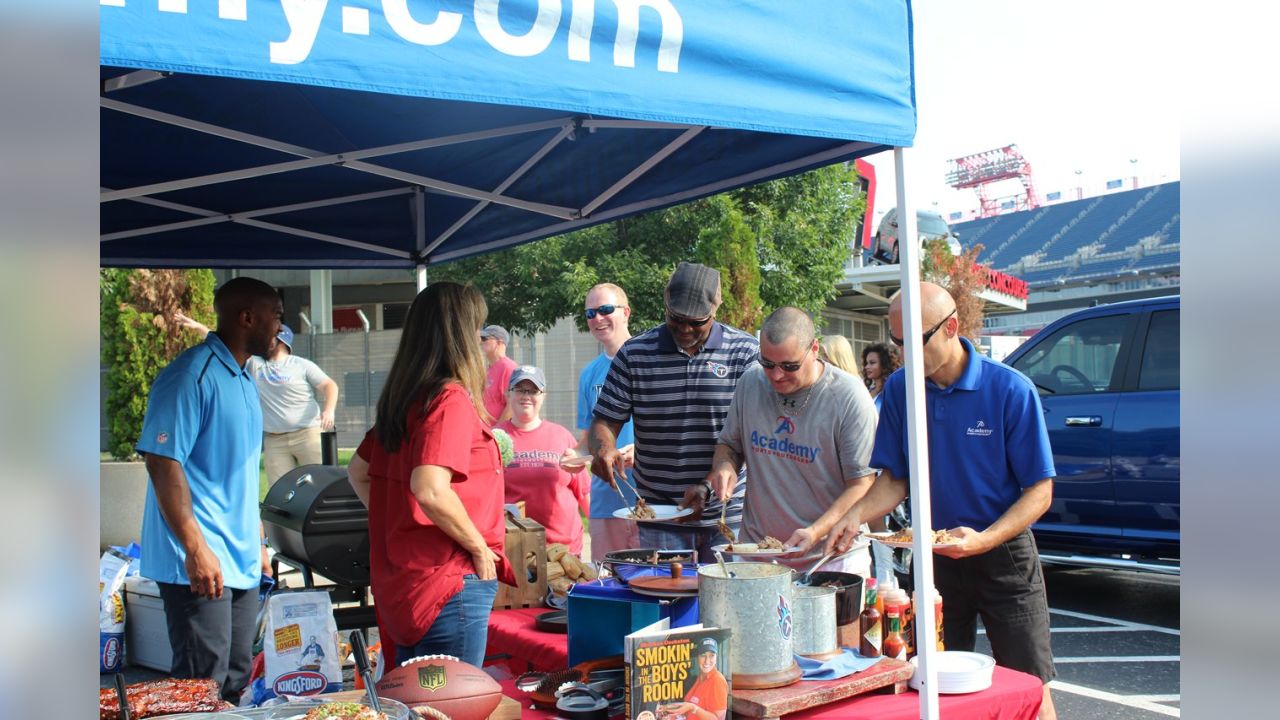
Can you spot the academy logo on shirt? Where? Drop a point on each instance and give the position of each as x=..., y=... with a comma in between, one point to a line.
x=162, y=438
x=980, y=430
x=783, y=446
x=718, y=369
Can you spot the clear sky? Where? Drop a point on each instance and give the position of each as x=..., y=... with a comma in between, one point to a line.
x=1081, y=85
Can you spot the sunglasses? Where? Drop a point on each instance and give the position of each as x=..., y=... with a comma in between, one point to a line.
x=677, y=320
x=602, y=310
x=786, y=366
x=527, y=392
x=928, y=335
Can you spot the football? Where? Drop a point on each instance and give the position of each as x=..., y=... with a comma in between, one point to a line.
x=457, y=689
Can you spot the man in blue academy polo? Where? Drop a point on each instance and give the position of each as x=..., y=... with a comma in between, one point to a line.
x=202, y=439
x=608, y=314
x=991, y=476
x=676, y=382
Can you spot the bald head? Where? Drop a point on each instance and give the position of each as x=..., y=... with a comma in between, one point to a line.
x=935, y=303
x=786, y=323
x=240, y=294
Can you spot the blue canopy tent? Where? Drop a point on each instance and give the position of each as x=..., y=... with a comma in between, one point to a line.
x=399, y=134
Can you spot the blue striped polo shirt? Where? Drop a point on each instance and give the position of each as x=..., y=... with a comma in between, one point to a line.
x=677, y=403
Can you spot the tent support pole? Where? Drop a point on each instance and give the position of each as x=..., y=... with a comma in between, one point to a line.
x=917, y=438
x=322, y=302
x=420, y=236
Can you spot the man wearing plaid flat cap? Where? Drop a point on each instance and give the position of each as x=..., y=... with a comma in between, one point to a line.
x=675, y=382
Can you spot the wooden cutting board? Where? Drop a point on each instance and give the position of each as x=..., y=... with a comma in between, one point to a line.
x=890, y=674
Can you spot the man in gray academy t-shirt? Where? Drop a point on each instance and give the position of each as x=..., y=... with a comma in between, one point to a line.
x=806, y=429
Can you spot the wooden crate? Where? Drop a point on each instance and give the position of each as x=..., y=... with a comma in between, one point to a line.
x=524, y=536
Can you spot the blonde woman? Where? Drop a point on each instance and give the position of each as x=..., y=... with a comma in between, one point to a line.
x=837, y=351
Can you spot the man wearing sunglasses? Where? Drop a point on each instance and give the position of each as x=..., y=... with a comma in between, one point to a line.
x=608, y=315
x=675, y=382
x=493, y=343
x=804, y=428
x=991, y=476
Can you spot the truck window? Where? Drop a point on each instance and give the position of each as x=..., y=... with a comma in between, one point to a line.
x=1079, y=358
x=1160, y=357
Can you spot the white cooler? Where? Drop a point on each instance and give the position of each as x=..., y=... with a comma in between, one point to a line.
x=146, y=636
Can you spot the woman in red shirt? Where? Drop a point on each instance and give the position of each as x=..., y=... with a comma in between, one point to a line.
x=431, y=475
x=543, y=472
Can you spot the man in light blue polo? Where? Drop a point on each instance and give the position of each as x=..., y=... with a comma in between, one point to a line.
x=202, y=440
x=608, y=315
x=991, y=476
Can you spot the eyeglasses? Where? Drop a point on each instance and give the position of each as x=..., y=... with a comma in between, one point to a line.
x=786, y=366
x=602, y=310
x=677, y=320
x=928, y=335
x=527, y=392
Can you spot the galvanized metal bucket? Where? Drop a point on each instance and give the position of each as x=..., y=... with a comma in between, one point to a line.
x=756, y=603
x=815, y=633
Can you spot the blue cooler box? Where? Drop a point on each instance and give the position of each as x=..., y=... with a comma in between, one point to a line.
x=602, y=614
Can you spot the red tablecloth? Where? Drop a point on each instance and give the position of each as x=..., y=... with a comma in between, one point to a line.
x=511, y=632
x=1012, y=696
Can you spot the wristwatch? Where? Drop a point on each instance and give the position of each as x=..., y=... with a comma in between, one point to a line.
x=710, y=493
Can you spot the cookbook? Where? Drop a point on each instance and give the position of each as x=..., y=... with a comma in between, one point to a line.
x=673, y=673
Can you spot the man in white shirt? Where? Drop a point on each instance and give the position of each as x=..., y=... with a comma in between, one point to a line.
x=298, y=401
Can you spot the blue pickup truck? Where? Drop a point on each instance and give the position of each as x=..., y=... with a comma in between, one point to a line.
x=1108, y=378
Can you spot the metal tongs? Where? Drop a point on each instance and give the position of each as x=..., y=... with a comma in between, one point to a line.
x=125, y=713
x=723, y=526
x=620, y=475
x=362, y=666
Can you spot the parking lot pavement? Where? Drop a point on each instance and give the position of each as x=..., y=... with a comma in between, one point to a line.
x=1116, y=644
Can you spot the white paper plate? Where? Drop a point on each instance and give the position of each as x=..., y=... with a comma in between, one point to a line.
x=662, y=513
x=748, y=550
x=959, y=672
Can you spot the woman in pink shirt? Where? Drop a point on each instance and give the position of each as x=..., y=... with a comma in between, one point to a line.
x=543, y=472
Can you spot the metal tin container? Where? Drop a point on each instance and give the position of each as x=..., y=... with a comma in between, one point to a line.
x=756, y=603
x=815, y=633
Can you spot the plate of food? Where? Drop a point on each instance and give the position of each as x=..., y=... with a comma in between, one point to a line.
x=903, y=538
x=576, y=461
x=645, y=512
x=767, y=547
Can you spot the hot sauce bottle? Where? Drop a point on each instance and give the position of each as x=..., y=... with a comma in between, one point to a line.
x=869, y=624
x=894, y=646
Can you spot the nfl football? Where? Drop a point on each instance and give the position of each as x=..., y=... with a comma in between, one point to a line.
x=457, y=689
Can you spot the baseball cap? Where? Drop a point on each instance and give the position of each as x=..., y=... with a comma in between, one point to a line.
x=285, y=336
x=530, y=373
x=496, y=331
x=693, y=291
x=708, y=645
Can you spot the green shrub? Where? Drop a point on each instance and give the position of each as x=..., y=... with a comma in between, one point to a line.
x=140, y=337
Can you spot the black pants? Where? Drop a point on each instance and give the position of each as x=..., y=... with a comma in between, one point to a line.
x=1006, y=587
x=211, y=638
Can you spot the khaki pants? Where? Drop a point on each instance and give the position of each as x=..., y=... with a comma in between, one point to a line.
x=282, y=452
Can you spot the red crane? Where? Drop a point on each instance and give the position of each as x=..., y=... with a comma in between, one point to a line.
x=982, y=169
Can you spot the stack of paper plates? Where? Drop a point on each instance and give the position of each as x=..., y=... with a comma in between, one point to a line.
x=959, y=672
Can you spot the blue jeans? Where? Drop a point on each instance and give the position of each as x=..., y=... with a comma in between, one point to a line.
x=461, y=628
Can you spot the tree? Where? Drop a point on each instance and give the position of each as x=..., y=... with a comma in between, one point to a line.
x=139, y=337
x=783, y=242
x=963, y=277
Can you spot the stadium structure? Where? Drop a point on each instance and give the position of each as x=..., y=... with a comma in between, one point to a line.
x=1122, y=245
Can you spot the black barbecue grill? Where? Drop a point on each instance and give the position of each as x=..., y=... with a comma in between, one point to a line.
x=312, y=517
